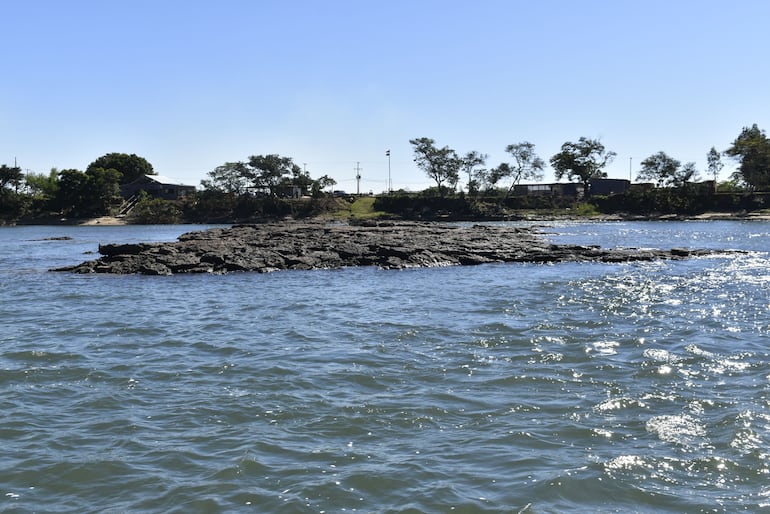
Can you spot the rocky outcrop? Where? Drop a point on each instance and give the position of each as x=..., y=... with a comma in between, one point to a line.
x=389, y=245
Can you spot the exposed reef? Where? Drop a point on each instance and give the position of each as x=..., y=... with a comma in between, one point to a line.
x=317, y=245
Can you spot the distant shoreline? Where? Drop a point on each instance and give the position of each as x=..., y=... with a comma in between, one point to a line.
x=528, y=216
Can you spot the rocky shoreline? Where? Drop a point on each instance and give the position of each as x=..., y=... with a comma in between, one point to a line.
x=318, y=245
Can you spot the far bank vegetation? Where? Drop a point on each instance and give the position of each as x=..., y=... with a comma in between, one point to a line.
x=273, y=186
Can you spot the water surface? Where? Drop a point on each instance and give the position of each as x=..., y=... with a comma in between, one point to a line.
x=497, y=388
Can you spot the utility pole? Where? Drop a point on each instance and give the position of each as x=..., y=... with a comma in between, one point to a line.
x=358, y=178
x=630, y=159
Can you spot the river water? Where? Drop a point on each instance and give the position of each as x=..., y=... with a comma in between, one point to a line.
x=497, y=388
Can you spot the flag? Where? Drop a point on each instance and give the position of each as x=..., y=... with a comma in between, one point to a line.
x=387, y=153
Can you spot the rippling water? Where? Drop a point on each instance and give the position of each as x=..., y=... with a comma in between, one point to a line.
x=497, y=388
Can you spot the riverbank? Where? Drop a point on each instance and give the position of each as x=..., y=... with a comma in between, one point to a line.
x=104, y=220
x=54, y=221
x=528, y=215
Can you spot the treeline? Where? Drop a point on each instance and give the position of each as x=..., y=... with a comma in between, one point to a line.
x=637, y=201
x=669, y=186
x=69, y=192
x=259, y=186
x=584, y=160
x=269, y=185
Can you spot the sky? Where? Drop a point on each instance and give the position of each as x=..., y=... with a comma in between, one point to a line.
x=192, y=84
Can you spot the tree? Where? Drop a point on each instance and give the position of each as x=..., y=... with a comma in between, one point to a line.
x=10, y=176
x=666, y=171
x=43, y=186
x=299, y=178
x=130, y=166
x=687, y=173
x=583, y=160
x=150, y=210
x=12, y=203
x=714, y=160
x=526, y=165
x=271, y=172
x=88, y=194
x=470, y=162
x=752, y=151
x=102, y=191
x=231, y=177
x=440, y=164
x=496, y=174
x=320, y=184
x=268, y=174
x=659, y=168
x=72, y=186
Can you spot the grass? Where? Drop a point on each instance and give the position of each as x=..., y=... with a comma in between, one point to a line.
x=361, y=208
x=586, y=209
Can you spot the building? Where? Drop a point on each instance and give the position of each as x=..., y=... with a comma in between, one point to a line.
x=609, y=186
x=157, y=186
x=554, y=189
x=598, y=186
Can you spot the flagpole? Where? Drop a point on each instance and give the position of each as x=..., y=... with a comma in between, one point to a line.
x=390, y=184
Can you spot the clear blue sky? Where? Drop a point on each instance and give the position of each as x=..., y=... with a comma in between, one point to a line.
x=192, y=84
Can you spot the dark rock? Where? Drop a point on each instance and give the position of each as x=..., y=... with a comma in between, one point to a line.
x=124, y=249
x=316, y=245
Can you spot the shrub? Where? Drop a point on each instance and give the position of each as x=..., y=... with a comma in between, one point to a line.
x=155, y=211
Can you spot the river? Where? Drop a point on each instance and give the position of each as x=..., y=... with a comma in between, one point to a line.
x=639, y=387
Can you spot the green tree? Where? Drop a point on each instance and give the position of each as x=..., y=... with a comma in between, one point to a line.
x=527, y=165
x=72, y=190
x=10, y=176
x=714, y=160
x=752, y=151
x=102, y=191
x=88, y=194
x=231, y=177
x=666, y=171
x=687, y=173
x=266, y=171
x=583, y=161
x=470, y=162
x=42, y=186
x=440, y=164
x=130, y=166
x=13, y=204
x=659, y=168
x=298, y=178
x=271, y=173
x=496, y=174
x=320, y=184
x=150, y=211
